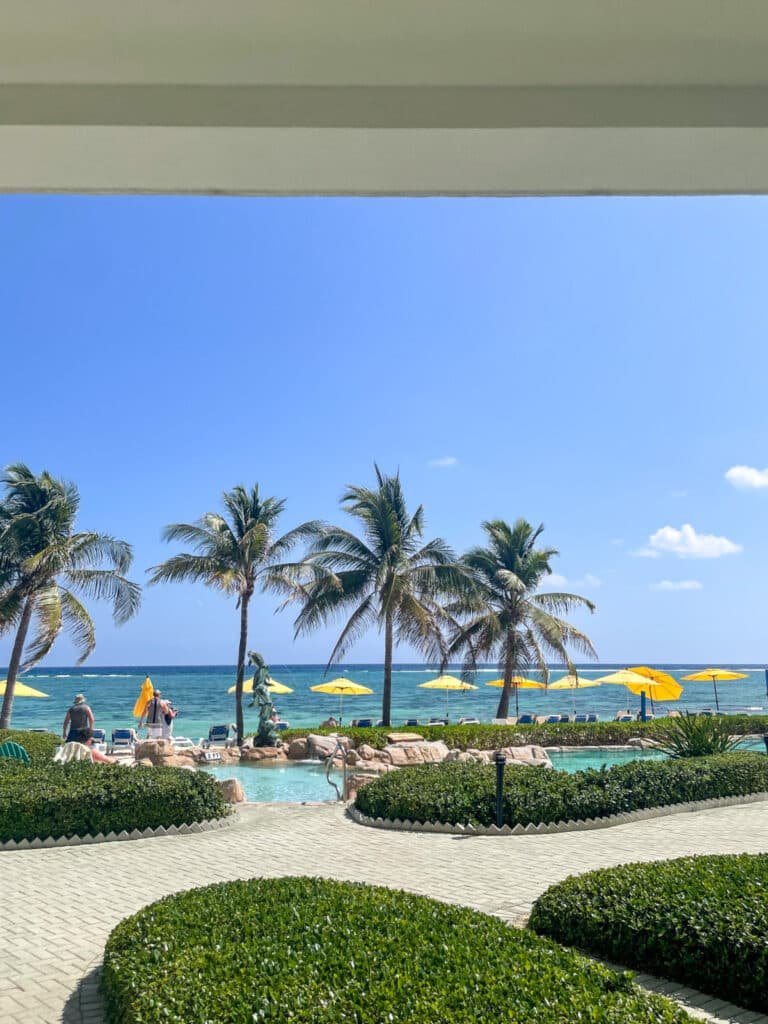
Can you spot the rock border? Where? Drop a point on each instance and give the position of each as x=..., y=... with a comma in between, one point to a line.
x=551, y=828
x=115, y=837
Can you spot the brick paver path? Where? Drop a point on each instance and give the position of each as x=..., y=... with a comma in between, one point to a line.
x=57, y=907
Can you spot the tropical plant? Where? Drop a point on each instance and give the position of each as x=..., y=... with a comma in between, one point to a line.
x=696, y=736
x=388, y=577
x=507, y=618
x=235, y=555
x=46, y=567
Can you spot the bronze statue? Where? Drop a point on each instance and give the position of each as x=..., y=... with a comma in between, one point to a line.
x=262, y=699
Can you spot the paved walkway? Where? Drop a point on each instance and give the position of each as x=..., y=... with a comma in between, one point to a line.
x=57, y=907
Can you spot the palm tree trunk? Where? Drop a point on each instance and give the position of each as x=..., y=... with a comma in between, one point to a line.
x=15, y=662
x=503, y=709
x=386, y=704
x=241, y=666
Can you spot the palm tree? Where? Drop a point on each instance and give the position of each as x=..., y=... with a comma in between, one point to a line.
x=388, y=578
x=235, y=555
x=46, y=567
x=508, y=619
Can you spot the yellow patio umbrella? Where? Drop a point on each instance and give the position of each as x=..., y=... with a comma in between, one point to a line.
x=639, y=683
x=145, y=696
x=519, y=683
x=447, y=683
x=572, y=682
x=273, y=686
x=715, y=676
x=21, y=690
x=663, y=685
x=343, y=688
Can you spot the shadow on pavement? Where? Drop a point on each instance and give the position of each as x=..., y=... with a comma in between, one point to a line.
x=85, y=1005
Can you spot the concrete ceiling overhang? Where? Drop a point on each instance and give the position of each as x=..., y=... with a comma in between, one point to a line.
x=384, y=97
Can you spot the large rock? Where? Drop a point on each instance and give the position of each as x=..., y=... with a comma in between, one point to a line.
x=532, y=755
x=264, y=754
x=154, y=750
x=323, y=747
x=366, y=753
x=231, y=790
x=299, y=749
x=404, y=737
x=400, y=754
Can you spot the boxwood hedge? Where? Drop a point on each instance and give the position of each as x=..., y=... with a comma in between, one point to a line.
x=698, y=920
x=82, y=798
x=309, y=951
x=40, y=746
x=466, y=793
x=563, y=734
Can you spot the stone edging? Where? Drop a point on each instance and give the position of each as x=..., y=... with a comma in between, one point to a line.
x=560, y=826
x=115, y=837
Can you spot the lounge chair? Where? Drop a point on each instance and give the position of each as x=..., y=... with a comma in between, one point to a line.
x=99, y=740
x=218, y=736
x=438, y=721
x=469, y=721
x=581, y=719
x=182, y=742
x=123, y=741
x=526, y=719
x=280, y=726
x=14, y=751
x=624, y=716
x=565, y=718
x=363, y=723
x=411, y=722
x=592, y=717
x=552, y=719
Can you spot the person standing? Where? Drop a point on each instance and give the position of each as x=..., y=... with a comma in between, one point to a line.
x=77, y=721
x=154, y=716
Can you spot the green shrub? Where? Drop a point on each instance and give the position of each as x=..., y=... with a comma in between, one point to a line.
x=698, y=920
x=308, y=951
x=83, y=798
x=39, y=745
x=697, y=736
x=466, y=793
x=562, y=734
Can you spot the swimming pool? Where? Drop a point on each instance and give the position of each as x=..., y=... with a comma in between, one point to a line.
x=301, y=781
x=279, y=783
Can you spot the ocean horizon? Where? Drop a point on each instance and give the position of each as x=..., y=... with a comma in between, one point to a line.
x=200, y=693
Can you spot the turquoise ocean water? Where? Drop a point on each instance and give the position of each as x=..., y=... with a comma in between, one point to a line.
x=200, y=692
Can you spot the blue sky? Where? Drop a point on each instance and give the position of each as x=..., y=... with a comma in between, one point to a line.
x=595, y=364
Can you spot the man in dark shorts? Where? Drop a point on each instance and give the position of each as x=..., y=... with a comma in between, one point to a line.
x=77, y=721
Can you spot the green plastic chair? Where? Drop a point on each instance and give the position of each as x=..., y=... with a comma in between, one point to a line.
x=14, y=751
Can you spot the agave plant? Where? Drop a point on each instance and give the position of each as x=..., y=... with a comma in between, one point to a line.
x=696, y=736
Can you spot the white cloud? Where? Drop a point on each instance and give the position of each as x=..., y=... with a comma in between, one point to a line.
x=555, y=580
x=747, y=478
x=444, y=462
x=687, y=543
x=678, y=585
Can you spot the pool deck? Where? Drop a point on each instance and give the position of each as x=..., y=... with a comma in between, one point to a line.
x=59, y=906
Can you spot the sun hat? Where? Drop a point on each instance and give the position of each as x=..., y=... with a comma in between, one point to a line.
x=79, y=698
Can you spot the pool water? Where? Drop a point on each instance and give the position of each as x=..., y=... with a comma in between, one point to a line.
x=279, y=783
x=305, y=780
x=579, y=760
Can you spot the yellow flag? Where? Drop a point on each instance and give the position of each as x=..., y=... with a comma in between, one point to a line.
x=145, y=695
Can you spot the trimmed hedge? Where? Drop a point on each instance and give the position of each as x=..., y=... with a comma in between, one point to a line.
x=40, y=746
x=457, y=793
x=84, y=799
x=698, y=920
x=309, y=951
x=562, y=734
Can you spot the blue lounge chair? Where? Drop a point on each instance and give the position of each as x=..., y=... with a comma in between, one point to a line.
x=552, y=719
x=525, y=720
x=581, y=718
x=565, y=718
x=123, y=740
x=591, y=717
x=280, y=726
x=218, y=735
x=411, y=722
x=14, y=751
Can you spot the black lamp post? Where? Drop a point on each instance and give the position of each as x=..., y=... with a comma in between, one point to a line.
x=501, y=760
